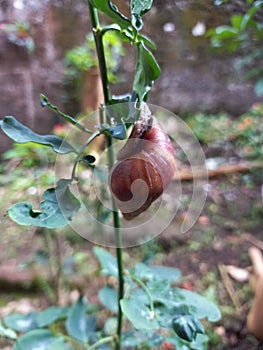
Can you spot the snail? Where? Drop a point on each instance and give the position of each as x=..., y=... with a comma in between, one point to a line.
x=144, y=168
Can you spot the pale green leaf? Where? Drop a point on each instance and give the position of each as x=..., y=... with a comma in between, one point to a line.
x=109, y=298
x=107, y=7
x=138, y=8
x=139, y=314
x=147, y=70
x=108, y=262
x=22, y=134
x=259, y=87
x=40, y=339
x=79, y=325
x=56, y=210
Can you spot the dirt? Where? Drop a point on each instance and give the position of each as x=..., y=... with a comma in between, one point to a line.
x=221, y=237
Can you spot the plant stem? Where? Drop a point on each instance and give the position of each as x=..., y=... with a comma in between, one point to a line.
x=145, y=288
x=116, y=221
x=100, y=342
x=98, y=35
x=58, y=277
x=45, y=102
x=100, y=51
x=49, y=287
x=90, y=139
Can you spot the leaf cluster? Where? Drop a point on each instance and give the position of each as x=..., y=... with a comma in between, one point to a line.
x=157, y=312
x=244, y=36
x=147, y=69
x=243, y=134
x=84, y=57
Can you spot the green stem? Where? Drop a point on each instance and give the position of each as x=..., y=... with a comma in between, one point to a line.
x=100, y=342
x=116, y=222
x=45, y=103
x=98, y=37
x=145, y=288
x=58, y=267
x=49, y=288
x=90, y=139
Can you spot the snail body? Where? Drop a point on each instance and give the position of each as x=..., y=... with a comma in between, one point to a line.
x=144, y=168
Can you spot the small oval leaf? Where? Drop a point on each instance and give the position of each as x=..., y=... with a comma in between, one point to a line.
x=7, y=332
x=147, y=70
x=78, y=324
x=89, y=160
x=57, y=209
x=112, y=11
x=21, y=322
x=108, y=262
x=50, y=315
x=139, y=314
x=156, y=272
x=187, y=327
x=40, y=339
x=109, y=298
x=138, y=8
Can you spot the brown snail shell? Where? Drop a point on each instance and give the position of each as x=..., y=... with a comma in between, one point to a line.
x=145, y=167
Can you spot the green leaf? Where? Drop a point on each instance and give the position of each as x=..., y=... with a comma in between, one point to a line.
x=259, y=87
x=57, y=209
x=197, y=305
x=199, y=343
x=129, y=35
x=21, y=322
x=147, y=41
x=22, y=134
x=50, y=315
x=236, y=21
x=78, y=324
x=155, y=272
x=225, y=32
x=40, y=339
x=7, y=332
x=139, y=314
x=107, y=261
x=109, y=298
x=134, y=339
x=138, y=8
x=187, y=327
x=110, y=326
x=59, y=344
x=46, y=103
x=89, y=160
x=147, y=70
x=67, y=202
x=107, y=7
x=202, y=306
x=118, y=131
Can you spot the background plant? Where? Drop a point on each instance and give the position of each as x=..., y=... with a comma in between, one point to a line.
x=241, y=136
x=83, y=59
x=18, y=33
x=243, y=35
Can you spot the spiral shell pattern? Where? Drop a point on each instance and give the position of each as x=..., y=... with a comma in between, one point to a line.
x=145, y=167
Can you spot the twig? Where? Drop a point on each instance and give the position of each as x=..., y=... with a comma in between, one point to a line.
x=186, y=174
x=229, y=287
